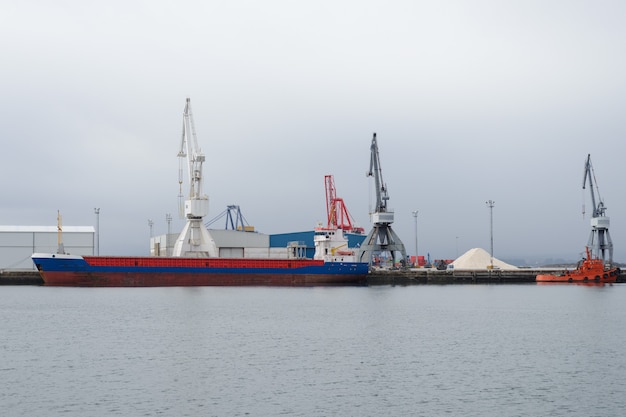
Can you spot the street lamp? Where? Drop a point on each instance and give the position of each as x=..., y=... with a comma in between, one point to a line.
x=150, y=224
x=168, y=219
x=97, y=211
x=490, y=204
x=416, y=252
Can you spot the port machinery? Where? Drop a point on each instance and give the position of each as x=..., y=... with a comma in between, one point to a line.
x=597, y=263
x=381, y=238
x=194, y=240
x=337, y=213
x=599, y=243
x=234, y=219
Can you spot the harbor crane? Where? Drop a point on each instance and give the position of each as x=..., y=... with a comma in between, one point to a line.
x=337, y=213
x=599, y=242
x=194, y=240
x=381, y=238
x=236, y=220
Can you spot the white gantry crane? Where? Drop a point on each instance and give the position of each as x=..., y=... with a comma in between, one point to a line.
x=599, y=239
x=381, y=238
x=194, y=241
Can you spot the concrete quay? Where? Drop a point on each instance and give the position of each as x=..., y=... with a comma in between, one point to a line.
x=379, y=276
x=465, y=276
x=26, y=277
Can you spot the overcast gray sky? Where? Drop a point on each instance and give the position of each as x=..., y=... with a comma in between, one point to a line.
x=471, y=101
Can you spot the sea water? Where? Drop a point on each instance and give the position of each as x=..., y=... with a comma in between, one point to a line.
x=457, y=350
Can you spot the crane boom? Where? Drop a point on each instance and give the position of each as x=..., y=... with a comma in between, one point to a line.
x=192, y=154
x=599, y=209
x=377, y=172
x=331, y=195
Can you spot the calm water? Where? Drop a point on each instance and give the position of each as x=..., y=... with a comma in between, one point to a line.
x=458, y=350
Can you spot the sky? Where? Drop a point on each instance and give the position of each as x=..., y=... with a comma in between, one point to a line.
x=471, y=101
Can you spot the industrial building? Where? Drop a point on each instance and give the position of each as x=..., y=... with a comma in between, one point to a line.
x=247, y=244
x=227, y=244
x=18, y=243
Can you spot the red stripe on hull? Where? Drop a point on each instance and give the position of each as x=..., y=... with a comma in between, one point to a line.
x=134, y=279
x=174, y=262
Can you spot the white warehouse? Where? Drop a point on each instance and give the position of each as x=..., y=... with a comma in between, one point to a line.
x=18, y=243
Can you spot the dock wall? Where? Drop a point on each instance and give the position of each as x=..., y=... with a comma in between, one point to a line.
x=434, y=276
x=17, y=277
x=376, y=277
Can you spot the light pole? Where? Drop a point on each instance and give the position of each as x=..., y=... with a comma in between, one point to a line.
x=416, y=252
x=150, y=224
x=168, y=219
x=457, y=246
x=97, y=211
x=490, y=204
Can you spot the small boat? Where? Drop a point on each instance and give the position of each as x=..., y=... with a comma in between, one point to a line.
x=588, y=270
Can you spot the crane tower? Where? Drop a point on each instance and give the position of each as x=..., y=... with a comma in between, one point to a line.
x=599, y=242
x=194, y=240
x=381, y=238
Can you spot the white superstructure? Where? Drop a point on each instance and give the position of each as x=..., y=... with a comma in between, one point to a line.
x=331, y=245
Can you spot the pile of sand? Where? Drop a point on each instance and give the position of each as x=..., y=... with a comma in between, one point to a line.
x=478, y=258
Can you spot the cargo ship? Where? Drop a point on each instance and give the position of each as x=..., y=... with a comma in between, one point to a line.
x=116, y=271
x=328, y=267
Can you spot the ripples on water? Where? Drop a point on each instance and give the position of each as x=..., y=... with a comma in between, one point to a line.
x=470, y=350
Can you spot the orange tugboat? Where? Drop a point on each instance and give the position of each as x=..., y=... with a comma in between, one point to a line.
x=588, y=270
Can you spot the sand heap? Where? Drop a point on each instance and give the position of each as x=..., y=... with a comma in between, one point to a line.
x=479, y=258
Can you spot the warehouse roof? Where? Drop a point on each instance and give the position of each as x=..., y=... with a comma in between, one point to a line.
x=47, y=229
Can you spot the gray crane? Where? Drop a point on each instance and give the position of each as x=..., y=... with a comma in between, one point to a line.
x=381, y=238
x=599, y=242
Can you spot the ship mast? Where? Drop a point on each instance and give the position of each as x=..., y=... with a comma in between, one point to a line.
x=381, y=238
x=60, y=247
x=194, y=240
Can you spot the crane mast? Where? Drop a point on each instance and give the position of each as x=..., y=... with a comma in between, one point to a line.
x=191, y=152
x=382, y=238
x=599, y=242
x=375, y=171
x=194, y=240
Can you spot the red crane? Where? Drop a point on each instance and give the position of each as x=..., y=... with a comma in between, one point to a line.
x=338, y=215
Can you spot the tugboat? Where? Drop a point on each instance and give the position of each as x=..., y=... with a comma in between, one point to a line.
x=588, y=270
